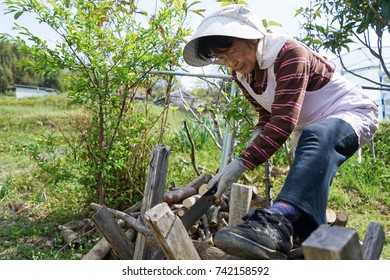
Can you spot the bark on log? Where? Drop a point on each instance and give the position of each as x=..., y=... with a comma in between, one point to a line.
x=135, y=208
x=201, y=234
x=192, y=230
x=153, y=195
x=129, y=220
x=208, y=252
x=212, y=215
x=222, y=223
x=103, y=247
x=187, y=191
x=258, y=201
x=223, y=204
x=70, y=236
x=113, y=233
x=341, y=219
x=373, y=242
x=99, y=251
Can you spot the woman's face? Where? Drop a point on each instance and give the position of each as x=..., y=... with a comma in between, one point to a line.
x=241, y=56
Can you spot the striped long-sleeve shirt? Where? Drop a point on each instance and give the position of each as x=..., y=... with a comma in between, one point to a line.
x=297, y=70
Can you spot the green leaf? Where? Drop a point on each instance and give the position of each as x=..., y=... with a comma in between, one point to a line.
x=298, y=12
x=173, y=108
x=385, y=9
x=17, y=15
x=274, y=23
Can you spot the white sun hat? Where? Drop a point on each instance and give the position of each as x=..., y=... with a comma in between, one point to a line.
x=232, y=20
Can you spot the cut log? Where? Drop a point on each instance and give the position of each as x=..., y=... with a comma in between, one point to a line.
x=332, y=243
x=222, y=203
x=189, y=201
x=170, y=233
x=222, y=223
x=135, y=208
x=296, y=254
x=341, y=219
x=330, y=216
x=103, y=247
x=153, y=195
x=192, y=230
x=258, y=201
x=191, y=189
x=129, y=220
x=176, y=206
x=99, y=251
x=209, y=252
x=239, y=203
x=202, y=235
x=212, y=215
x=206, y=227
x=70, y=236
x=203, y=189
x=373, y=241
x=113, y=233
x=180, y=212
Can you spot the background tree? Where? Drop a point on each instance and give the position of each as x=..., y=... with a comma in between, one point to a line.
x=11, y=71
x=336, y=25
x=109, y=54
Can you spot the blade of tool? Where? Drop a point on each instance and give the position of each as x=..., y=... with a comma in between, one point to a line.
x=199, y=208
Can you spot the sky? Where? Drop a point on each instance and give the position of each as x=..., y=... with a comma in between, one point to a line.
x=281, y=11
x=270, y=10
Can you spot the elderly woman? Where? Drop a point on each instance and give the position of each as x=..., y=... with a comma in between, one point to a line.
x=296, y=92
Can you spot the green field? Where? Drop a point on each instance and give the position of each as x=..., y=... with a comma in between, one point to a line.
x=38, y=196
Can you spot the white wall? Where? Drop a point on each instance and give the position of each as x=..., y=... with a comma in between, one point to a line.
x=22, y=92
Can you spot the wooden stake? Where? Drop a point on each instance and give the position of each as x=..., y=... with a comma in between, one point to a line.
x=373, y=241
x=332, y=243
x=113, y=233
x=154, y=192
x=239, y=203
x=170, y=233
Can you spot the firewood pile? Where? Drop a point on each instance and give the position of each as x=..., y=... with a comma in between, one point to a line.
x=152, y=229
x=136, y=230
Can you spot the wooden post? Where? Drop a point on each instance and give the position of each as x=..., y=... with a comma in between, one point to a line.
x=373, y=241
x=170, y=233
x=153, y=195
x=113, y=233
x=332, y=243
x=239, y=203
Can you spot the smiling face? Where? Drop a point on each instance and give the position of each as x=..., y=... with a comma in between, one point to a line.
x=241, y=56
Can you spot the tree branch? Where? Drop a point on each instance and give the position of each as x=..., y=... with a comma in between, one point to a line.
x=193, y=160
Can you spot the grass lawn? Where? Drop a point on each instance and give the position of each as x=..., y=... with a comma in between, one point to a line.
x=34, y=203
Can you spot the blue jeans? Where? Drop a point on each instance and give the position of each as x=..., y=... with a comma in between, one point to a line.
x=321, y=149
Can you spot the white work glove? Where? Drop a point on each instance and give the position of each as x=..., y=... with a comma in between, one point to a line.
x=227, y=176
x=256, y=133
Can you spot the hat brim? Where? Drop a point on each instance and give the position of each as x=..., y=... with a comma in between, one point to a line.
x=217, y=26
